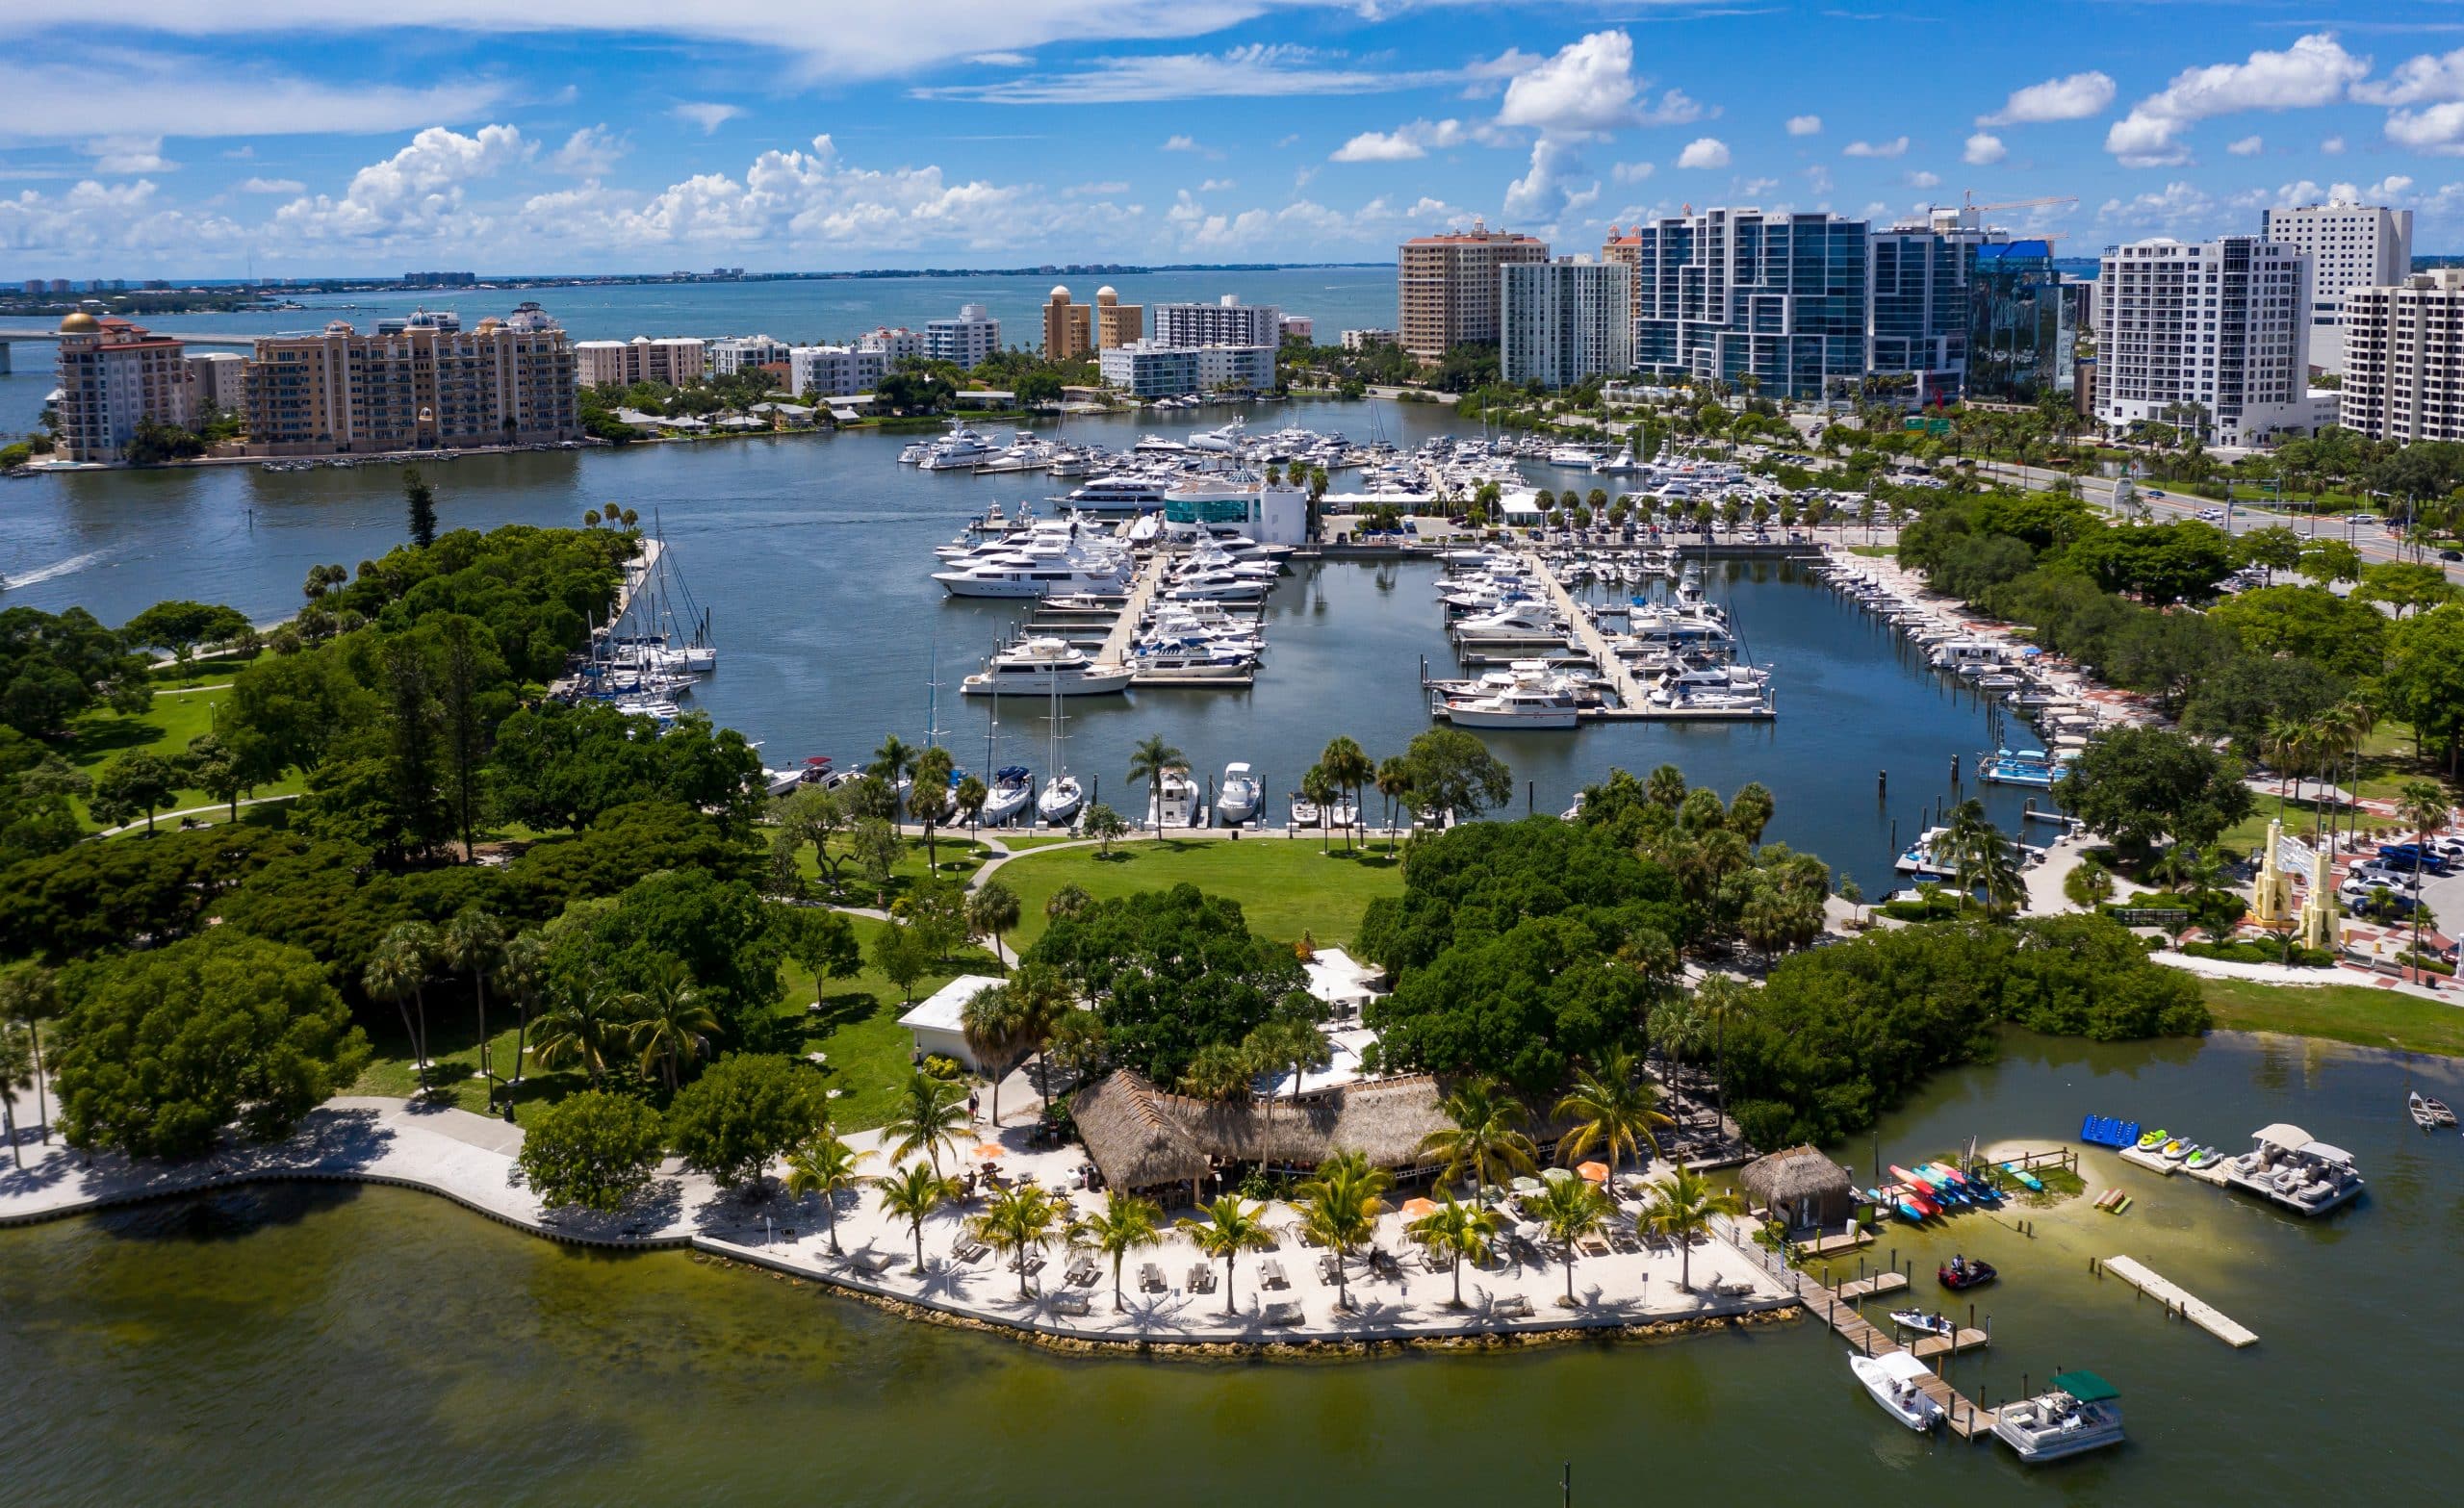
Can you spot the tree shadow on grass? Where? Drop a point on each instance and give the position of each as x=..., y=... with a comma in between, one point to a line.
x=100, y=738
x=843, y=1009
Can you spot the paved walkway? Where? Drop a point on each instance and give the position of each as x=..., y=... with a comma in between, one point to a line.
x=470, y=1159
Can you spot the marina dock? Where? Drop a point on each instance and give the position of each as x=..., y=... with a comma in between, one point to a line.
x=1960, y=1416
x=1142, y=594
x=2176, y=1300
x=1588, y=643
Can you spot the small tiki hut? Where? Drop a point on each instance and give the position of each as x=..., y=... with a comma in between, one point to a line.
x=1129, y=1137
x=1802, y=1189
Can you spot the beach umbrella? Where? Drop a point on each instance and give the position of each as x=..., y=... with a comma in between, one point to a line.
x=1597, y=1172
x=1527, y=1186
x=1557, y=1175
x=1414, y=1209
x=991, y=1149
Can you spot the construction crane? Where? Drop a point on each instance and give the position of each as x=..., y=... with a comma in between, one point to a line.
x=1967, y=198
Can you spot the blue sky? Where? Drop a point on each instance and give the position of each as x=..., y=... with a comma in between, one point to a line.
x=633, y=136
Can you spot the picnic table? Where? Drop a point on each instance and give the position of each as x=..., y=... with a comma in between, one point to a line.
x=1082, y=1268
x=1069, y=1304
x=1201, y=1278
x=1270, y=1273
x=1150, y=1278
x=1514, y=1306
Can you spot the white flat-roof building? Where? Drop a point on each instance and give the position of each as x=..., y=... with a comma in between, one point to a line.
x=1300, y=327
x=1145, y=370
x=1227, y=321
x=2403, y=376
x=2350, y=246
x=673, y=360
x=834, y=371
x=967, y=340
x=1562, y=321
x=2212, y=336
x=896, y=344
x=736, y=352
x=936, y=1021
x=1362, y=339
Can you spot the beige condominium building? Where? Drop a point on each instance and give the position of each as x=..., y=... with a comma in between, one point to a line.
x=1116, y=323
x=2404, y=376
x=1445, y=286
x=338, y=391
x=1067, y=327
x=674, y=360
x=112, y=374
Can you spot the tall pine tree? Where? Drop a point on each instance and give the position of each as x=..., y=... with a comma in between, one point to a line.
x=421, y=499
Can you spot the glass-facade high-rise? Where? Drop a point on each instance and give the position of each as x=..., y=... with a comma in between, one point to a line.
x=2022, y=326
x=1730, y=293
x=1919, y=312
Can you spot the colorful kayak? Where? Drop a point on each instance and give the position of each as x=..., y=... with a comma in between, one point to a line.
x=2025, y=1177
x=1909, y=1213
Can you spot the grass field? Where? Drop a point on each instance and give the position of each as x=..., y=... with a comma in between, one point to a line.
x=2354, y=1014
x=165, y=730
x=1285, y=886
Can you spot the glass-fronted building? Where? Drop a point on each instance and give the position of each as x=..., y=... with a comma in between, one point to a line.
x=1919, y=309
x=2022, y=326
x=1730, y=294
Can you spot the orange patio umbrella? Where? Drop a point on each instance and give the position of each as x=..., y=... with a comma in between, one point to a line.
x=1414, y=1209
x=991, y=1149
x=1596, y=1172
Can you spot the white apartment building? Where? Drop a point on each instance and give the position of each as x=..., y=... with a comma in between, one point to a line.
x=1145, y=370
x=1362, y=339
x=2350, y=245
x=2403, y=376
x=1301, y=327
x=967, y=340
x=112, y=374
x=2214, y=335
x=892, y=346
x=834, y=371
x=1227, y=321
x=671, y=360
x=1562, y=321
x=728, y=356
x=218, y=380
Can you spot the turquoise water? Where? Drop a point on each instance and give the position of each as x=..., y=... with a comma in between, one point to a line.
x=313, y=1344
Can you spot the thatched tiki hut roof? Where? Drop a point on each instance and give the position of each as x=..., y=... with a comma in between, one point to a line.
x=1801, y=1186
x=1139, y=1137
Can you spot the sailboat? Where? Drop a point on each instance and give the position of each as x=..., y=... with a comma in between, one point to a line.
x=1062, y=795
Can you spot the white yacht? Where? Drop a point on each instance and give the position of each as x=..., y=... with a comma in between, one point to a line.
x=1023, y=575
x=1226, y=440
x=1061, y=800
x=1573, y=455
x=1238, y=797
x=1895, y=1380
x=1158, y=445
x=2082, y=1413
x=1218, y=587
x=1046, y=667
x=1176, y=802
x=961, y=449
x=1013, y=787
x=1193, y=659
x=1532, y=698
x=1121, y=491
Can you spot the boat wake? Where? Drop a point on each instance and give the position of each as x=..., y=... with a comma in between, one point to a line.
x=50, y=571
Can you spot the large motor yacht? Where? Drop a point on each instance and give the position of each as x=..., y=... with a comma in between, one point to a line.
x=1046, y=667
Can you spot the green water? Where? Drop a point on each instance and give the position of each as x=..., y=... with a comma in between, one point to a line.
x=307, y=1344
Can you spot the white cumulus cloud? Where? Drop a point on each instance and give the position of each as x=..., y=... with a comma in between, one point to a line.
x=1588, y=87
x=1412, y=140
x=271, y=185
x=129, y=153
x=419, y=189
x=1705, y=152
x=2315, y=70
x=1896, y=146
x=590, y=152
x=2425, y=80
x=1804, y=125
x=1984, y=150
x=708, y=115
x=2072, y=99
x=2247, y=147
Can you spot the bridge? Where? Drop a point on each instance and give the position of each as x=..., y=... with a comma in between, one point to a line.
x=10, y=334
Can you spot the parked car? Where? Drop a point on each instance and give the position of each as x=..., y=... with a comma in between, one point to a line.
x=2403, y=854
x=2450, y=554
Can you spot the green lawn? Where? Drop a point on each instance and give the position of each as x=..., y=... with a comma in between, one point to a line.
x=1286, y=886
x=164, y=729
x=2355, y=1014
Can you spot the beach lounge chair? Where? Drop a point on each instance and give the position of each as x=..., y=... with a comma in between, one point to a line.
x=1150, y=1278
x=970, y=1251
x=1514, y=1306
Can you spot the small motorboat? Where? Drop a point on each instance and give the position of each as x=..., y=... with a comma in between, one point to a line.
x=1919, y=1321
x=1897, y=1381
x=1962, y=1273
x=2027, y=1179
x=2428, y=1113
x=2154, y=1139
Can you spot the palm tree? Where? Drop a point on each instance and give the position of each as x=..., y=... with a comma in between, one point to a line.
x=1078, y=1041
x=16, y=1072
x=2421, y=806
x=1126, y=1223
x=990, y=1021
x=523, y=973
x=1340, y=1207
x=930, y=1113
x=1394, y=783
x=929, y=800
x=475, y=943
x=398, y=971
x=674, y=1023
x=1067, y=901
x=1486, y=1137
x=1665, y=787
x=992, y=909
x=823, y=1165
x=582, y=1028
x=29, y=996
x=912, y=1195
x=1045, y=1000
x=1612, y=1109
x=1318, y=788
x=1682, y=1207
x=1351, y=770
x=893, y=760
x=1460, y=1230
x=1020, y=1220
x=1147, y=763
x=1220, y=1072
x=1571, y=1209
x=1229, y=1229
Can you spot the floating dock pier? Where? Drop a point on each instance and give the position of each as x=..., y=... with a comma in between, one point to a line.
x=1962, y=1418
x=2176, y=1300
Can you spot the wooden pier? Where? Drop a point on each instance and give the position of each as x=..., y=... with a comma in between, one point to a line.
x=1838, y=1309
x=1633, y=700
x=2178, y=1301
x=1133, y=612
